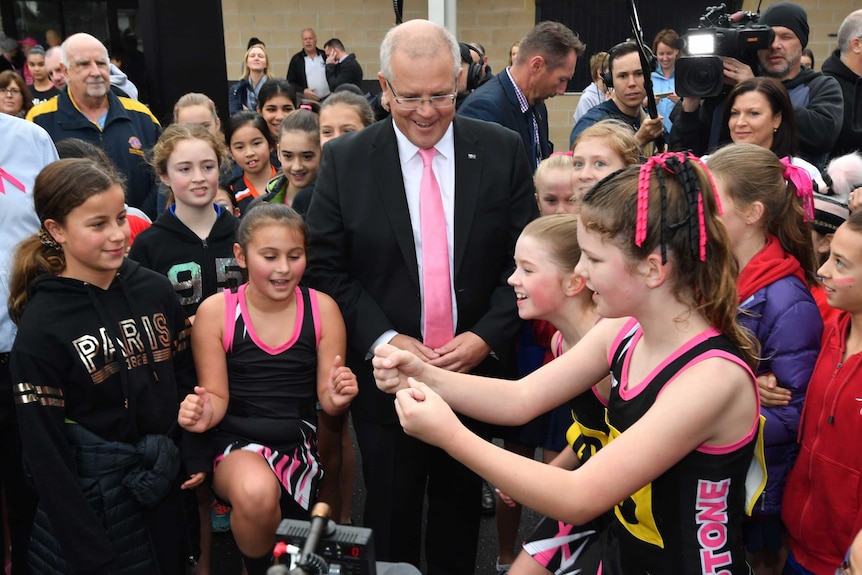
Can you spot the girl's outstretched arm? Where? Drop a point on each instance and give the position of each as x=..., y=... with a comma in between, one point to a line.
x=712, y=403
x=206, y=407
x=336, y=383
x=500, y=401
x=566, y=459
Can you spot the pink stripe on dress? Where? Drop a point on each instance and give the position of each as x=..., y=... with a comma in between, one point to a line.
x=230, y=310
x=628, y=393
x=297, y=324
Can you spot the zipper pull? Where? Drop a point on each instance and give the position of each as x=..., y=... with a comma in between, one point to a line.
x=837, y=367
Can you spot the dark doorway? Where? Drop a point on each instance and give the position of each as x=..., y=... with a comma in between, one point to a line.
x=153, y=41
x=115, y=23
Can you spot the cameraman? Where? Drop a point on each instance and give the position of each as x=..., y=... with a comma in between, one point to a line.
x=817, y=101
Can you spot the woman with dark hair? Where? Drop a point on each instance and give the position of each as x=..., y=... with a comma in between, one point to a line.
x=15, y=98
x=759, y=111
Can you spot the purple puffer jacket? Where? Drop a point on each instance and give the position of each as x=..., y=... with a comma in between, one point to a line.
x=784, y=318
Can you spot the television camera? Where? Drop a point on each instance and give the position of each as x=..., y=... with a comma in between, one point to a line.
x=720, y=33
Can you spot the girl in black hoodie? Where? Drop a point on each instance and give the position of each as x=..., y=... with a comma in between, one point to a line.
x=101, y=355
x=192, y=243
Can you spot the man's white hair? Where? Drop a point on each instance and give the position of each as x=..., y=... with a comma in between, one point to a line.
x=64, y=47
x=418, y=38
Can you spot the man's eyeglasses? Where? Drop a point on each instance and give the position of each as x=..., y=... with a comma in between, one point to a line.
x=441, y=101
x=11, y=91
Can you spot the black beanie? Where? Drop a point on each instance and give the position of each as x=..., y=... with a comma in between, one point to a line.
x=789, y=15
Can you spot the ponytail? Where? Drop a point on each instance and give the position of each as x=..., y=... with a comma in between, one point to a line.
x=751, y=173
x=33, y=258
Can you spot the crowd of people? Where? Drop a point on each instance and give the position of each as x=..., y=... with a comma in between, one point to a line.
x=199, y=314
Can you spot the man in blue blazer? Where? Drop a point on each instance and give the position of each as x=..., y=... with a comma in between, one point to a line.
x=515, y=98
x=365, y=251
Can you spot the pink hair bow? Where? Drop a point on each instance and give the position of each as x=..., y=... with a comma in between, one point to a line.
x=305, y=107
x=804, y=186
x=646, y=170
x=568, y=153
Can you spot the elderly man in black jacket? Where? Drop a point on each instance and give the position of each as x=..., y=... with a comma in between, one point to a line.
x=306, y=71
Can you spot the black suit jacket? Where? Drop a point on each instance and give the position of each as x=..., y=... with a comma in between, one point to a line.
x=361, y=249
x=496, y=101
x=347, y=72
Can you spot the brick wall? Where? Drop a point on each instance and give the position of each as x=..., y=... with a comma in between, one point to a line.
x=496, y=24
x=824, y=18
x=360, y=25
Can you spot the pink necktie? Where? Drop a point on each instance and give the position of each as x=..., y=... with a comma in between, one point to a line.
x=435, y=258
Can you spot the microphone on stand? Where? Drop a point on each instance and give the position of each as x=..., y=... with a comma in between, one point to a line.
x=309, y=562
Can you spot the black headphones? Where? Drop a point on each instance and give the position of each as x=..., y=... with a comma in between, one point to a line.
x=474, y=72
x=605, y=72
x=608, y=75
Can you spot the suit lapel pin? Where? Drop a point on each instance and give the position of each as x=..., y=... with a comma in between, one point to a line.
x=471, y=156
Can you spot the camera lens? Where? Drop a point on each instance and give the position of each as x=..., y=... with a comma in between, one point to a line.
x=702, y=79
x=699, y=76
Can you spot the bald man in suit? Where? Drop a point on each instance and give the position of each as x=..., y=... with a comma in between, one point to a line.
x=365, y=250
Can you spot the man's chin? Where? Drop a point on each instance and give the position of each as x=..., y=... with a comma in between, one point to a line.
x=774, y=70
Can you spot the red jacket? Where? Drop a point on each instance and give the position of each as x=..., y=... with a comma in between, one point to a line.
x=822, y=506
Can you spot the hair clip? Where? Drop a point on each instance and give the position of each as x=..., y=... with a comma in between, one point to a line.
x=48, y=240
x=804, y=186
x=568, y=153
x=305, y=107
